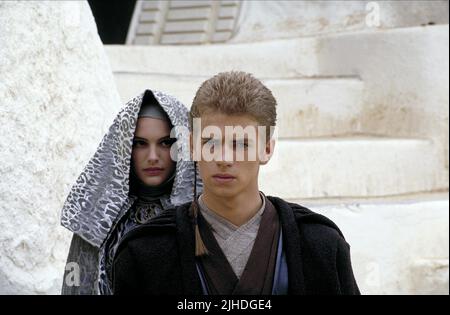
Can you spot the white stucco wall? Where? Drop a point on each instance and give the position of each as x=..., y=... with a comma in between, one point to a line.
x=57, y=99
x=266, y=20
x=406, y=77
x=397, y=247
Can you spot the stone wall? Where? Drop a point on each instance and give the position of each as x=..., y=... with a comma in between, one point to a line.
x=266, y=20
x=57, y=99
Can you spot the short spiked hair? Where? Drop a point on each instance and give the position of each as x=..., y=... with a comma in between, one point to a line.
x=236, y=93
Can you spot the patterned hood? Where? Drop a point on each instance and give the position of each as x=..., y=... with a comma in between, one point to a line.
x=100, y=196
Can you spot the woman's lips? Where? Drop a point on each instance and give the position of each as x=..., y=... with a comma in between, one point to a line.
x=153, y=171
x=223, y=178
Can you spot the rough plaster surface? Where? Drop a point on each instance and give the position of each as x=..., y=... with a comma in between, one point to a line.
x=268, y=20
x=398, y=247
x=352, y=167
x=406, y=77
x=57, y=99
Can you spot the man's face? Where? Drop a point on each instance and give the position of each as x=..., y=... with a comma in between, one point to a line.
x=151, y=151
x=229, y=164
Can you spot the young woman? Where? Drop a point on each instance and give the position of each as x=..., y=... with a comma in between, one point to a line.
x=133, y=176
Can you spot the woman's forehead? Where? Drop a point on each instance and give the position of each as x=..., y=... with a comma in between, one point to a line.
x=152, y=128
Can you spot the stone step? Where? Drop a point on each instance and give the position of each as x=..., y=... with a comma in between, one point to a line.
x=350, y=53
x=352, y=167
x=396, y=247
x=310, y=107
x=270, y=59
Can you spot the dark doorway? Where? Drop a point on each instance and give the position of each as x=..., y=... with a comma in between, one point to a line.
x=113, y=18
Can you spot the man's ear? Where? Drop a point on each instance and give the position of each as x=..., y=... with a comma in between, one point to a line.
x=268, y=152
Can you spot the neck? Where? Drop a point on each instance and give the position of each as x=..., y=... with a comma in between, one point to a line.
x=148, y=193
x=237, y=209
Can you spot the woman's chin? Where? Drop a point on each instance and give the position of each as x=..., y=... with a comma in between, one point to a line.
x=151, y=181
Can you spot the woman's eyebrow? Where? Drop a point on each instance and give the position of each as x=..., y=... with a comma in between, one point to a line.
x=162, y=138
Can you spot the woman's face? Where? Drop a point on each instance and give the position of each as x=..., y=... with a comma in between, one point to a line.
x=151, y=151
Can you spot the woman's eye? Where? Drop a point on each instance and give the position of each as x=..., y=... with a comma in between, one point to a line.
x=138, y=143
x=168, y=142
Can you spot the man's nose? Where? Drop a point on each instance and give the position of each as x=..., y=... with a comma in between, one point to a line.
x=225, y=156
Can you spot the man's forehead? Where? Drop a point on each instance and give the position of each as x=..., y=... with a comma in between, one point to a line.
x=236, y=127
x=225, y=126
x=232, y=136
x=221, y=119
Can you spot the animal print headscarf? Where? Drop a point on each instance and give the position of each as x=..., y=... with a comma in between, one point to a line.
x=100, y=196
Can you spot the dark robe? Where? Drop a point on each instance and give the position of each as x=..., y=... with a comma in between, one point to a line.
x=257, y=278
x=159, y=257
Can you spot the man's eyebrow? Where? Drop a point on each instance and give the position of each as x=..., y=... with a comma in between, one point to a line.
x=243, y=138
x=238, y=139
x=211, y=138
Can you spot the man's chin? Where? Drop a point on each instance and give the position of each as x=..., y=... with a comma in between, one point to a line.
x=228, y=192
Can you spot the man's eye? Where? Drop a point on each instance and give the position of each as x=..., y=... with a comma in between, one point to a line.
x=212, y=143
x=240, y=145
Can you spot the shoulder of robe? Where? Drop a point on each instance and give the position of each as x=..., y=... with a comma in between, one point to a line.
x=310, y=223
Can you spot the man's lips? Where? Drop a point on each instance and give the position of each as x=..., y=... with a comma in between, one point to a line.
x=223, y=178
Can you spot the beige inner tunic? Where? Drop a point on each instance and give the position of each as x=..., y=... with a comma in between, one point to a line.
x=236, y=242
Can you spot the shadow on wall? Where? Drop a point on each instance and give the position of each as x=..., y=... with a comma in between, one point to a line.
x=113, y=18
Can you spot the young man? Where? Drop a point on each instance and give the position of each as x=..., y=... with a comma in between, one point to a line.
x=233, y=239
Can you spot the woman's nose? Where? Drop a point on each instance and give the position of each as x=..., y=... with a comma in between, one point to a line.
x=152, y=154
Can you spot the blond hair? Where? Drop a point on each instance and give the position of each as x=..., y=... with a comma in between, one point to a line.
x=236, y=93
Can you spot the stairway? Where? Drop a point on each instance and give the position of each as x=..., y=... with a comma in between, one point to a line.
x=182, y=22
